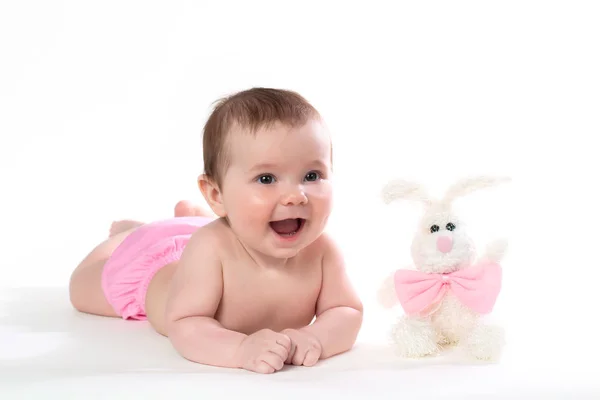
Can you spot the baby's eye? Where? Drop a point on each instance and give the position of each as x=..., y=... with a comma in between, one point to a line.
x=266, y=179
x=312, y=176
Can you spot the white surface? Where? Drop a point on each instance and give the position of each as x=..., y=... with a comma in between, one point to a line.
x=49, y=351
x=101, y=109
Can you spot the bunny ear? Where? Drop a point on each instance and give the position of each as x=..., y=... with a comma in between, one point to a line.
x=401, y=189
x=469, y=185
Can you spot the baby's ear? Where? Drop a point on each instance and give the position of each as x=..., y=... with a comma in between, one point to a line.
x=212, y=194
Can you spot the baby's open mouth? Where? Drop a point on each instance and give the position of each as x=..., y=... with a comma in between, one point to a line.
x=287, y=227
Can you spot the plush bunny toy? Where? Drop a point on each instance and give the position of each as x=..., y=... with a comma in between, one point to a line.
x=448, y=292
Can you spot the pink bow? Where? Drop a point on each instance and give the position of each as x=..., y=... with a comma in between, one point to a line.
x=477, y=287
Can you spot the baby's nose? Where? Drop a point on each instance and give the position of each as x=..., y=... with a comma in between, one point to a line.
x=444, y=244
x=294, y=198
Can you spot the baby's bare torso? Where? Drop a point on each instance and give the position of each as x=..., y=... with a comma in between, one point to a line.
x=255, y=299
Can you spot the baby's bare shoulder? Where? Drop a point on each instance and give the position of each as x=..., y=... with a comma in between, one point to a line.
x=324, y=245
x=330, y=253
x=213, y=236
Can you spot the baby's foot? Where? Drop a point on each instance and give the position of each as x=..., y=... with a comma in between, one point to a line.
x=185, y=208
x=122, y=226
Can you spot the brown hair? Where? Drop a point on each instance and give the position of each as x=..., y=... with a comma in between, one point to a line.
x=251, y=110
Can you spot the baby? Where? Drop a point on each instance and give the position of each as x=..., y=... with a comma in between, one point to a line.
x=260, y=284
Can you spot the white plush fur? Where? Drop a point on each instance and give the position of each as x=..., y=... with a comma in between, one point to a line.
x=452, y=323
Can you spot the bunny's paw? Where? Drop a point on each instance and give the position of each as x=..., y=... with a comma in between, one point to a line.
x=485, y=342
x=414, y=338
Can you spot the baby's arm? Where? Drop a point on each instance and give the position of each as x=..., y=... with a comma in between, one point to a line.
x=339, y=310
x=193, y=299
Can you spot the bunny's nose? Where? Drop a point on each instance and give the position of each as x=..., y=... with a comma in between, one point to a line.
x=444, y=244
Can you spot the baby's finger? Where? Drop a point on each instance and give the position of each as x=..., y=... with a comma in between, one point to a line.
x=312, y=356
x=291, y=353
x=272, y=359
x=300, y=355
x=263, y=368
x=281, y=351
x=285, y=341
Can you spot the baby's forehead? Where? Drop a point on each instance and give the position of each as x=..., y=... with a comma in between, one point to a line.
x=263, y=130
x=278, y=133
x=279, y=142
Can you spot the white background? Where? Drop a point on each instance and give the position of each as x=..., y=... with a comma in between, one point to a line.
x=102, y=106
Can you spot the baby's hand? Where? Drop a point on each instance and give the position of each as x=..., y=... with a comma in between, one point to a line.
x=264, y=351
x=306, y=348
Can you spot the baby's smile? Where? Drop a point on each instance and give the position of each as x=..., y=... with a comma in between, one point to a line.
x=288, y=228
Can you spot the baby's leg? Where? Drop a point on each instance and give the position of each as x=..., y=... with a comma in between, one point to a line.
x=85, y=288
x=185, y=208
x=123, y=225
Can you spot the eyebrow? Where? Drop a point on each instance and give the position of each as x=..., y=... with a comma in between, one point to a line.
x=271, y=166
x=263, y=167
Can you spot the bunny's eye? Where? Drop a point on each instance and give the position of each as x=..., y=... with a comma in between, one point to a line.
x=434, y=228
x=450, y=226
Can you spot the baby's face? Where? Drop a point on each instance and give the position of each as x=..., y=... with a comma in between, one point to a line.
x=277, y=190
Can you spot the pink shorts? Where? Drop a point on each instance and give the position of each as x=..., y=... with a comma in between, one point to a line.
x=134, y=262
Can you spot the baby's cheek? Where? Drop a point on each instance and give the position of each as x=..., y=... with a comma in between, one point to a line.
x=321, y=199
x=253, y=208
x=321, y=192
